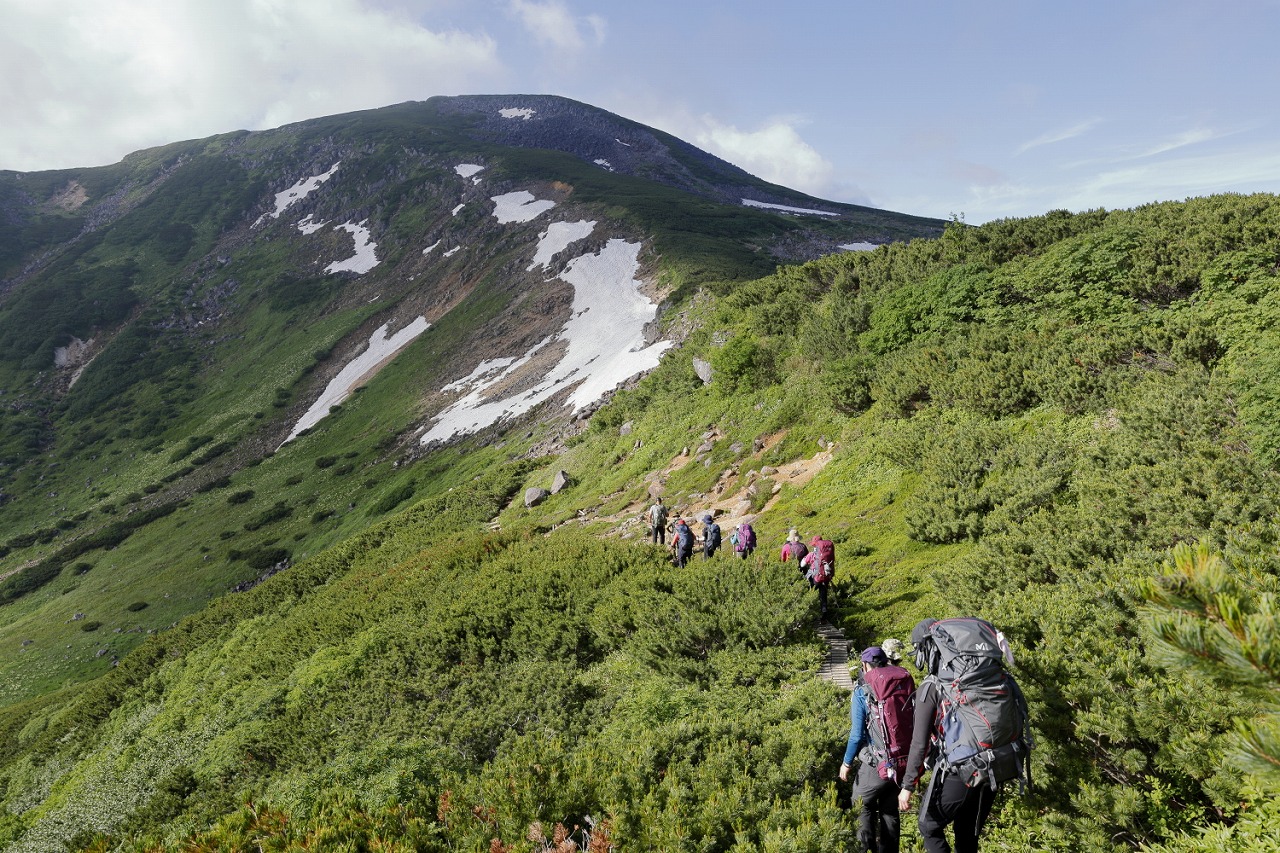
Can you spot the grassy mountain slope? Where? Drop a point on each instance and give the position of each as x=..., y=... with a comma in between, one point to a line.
x=147, y=475
x=1023, y=420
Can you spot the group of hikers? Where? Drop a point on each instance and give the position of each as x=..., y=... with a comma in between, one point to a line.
x=817, y=560
x=967, y=721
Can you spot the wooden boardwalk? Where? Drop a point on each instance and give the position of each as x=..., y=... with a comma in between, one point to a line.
x=836, y=666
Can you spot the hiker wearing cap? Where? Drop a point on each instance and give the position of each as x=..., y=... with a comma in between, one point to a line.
x=794, y=549
x=820, y=567
x=893, y=649
x=710, y=536
x=881, y=725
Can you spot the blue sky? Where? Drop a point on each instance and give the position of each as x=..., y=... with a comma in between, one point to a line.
x=983, y=110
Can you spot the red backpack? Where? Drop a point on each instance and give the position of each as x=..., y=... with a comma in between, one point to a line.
x=822, y=561
x=891, y=697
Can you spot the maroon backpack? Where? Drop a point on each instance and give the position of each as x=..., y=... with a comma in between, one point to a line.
x=891, y=697
x=822, y=561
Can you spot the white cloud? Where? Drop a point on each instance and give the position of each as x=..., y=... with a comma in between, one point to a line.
x=1059, y=135
x=1181, y=140
x=86, y=83
x=552, y=24
x=775, y=153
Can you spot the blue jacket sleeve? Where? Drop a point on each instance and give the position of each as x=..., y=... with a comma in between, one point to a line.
x=858, y=714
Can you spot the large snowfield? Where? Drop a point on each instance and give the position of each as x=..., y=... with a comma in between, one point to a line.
x=602, y=343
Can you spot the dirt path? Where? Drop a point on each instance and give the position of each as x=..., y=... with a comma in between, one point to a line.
x=729, y=500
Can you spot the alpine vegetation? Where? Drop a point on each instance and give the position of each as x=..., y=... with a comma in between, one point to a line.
x=341, y=463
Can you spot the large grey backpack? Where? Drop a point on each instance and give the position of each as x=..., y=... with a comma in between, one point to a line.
x=982, y=725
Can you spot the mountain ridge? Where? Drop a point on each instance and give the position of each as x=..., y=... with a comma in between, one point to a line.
x=1027, y=420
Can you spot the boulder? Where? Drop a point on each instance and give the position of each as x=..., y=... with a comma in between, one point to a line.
x=534, y=496
x=703, y=369
x=626, y=428
x=560, y=483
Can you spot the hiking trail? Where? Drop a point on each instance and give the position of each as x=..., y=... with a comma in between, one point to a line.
x=835, y=667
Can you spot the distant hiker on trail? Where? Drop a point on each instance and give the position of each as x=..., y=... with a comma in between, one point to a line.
x=879, y=737
x=820, y=567
x=794, y=549
x=710, y=536
x=972, y=720
x=744, y=541
x=657, y=515
x=681, y=543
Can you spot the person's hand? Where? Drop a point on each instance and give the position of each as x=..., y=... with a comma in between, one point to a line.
x=844, y=772
x=904, y=800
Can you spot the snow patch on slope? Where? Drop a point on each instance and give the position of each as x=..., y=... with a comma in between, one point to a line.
x=604, y=339
x=785, y=209
x=307, y=225
x=517, y=112
x=519, y=206
x=365, y=258
x=298, y=192
x=382, y=348
x=557, y=238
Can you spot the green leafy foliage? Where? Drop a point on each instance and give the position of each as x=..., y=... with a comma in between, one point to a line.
x=1029, y=421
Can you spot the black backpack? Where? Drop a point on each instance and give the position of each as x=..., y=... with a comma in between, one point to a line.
x=982, y=728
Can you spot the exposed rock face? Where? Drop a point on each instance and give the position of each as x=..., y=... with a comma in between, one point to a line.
x=703, y=369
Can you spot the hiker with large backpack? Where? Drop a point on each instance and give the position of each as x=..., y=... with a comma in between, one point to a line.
x=657, y=515
x=681, y=543
x=745, y=540
x=794, y=549
x=820, y=567
x=710, y=536
x=880, y=737
x=972, y=720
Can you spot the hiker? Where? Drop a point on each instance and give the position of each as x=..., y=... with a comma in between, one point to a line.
x=971, y=721
x=820, y=567
x=879, y=737
x=744, y=540
x=681, y=543
x=710, y=536
x=657, y=515
x=893, y=649
x=794, y=549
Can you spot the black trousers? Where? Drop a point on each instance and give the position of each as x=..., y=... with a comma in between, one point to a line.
x=877, y=802
x=948, y=801
x=659, y=533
